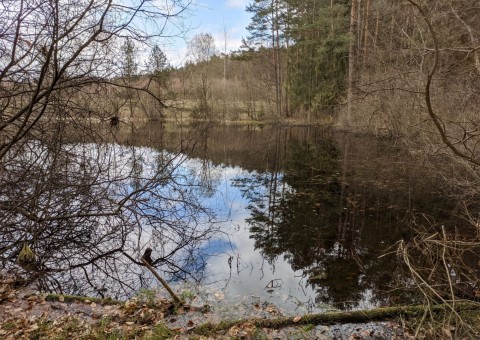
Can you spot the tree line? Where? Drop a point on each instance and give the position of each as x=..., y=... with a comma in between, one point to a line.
x=339, y=60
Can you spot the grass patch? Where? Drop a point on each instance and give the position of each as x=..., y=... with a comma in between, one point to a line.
x=308, y=328
x=160, y=331
x=8, y=326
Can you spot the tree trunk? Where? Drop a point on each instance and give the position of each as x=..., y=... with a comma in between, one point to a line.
x=351, y=60
x=278, y=74
x=366, y=18
x=332, y=18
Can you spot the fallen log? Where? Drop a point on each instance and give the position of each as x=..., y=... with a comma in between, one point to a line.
x=329, y=318
x=84, y=299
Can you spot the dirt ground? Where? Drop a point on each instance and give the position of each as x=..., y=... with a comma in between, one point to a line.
x=27, y=315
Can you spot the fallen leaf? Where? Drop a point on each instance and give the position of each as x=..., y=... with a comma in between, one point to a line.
x=233, y=331
x=447, y=332
x=271, y=309
x=220, y=296
x=248, y=327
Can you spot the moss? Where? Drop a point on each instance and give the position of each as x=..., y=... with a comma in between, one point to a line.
x=103, y=323
x=378, y=314
x=9, y=326
x=308, y=328
x=75, y=298
x=187, y=295
x=42, y=330
x=259, y=335
x=70, y=327
x=160, y=331
x=147, y=296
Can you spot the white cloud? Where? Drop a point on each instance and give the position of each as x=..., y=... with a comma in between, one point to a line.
x=177, y=56
x=236, y=3
x=233, y=43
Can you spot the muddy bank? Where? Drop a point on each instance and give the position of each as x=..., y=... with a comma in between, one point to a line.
x=27, y=315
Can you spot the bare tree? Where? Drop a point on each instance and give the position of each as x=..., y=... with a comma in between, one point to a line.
x=84, y=205
x=201, y=49
x=434, y=52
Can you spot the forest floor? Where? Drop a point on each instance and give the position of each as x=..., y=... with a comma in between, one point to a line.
x=25, y=314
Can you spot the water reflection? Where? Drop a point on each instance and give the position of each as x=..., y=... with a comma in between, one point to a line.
x=314, y=210
x=302, y=214
x=89, y=210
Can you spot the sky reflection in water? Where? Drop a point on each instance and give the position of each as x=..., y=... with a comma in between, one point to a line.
x=307, y=213
x=240, y=270
x=237, y=269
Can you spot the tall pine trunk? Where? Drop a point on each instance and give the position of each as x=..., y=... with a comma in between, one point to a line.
x=351, y=60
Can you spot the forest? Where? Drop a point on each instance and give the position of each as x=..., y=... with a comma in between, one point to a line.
x=337, y=61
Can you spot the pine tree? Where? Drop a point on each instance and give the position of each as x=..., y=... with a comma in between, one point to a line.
x=130, y=65
x=318, y=54
x=308, y=42
x=266, y=31
x=129, y=71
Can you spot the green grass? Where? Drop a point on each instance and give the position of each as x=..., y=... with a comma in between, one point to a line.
x=8, y=326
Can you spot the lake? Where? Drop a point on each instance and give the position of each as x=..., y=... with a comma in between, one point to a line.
x=309, y=217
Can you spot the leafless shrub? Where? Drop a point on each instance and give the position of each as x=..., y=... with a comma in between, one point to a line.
x=442, y=267
x=85, y=205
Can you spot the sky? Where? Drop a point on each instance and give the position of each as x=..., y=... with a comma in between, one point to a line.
x=212, y=16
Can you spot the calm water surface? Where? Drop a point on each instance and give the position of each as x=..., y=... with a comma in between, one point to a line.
x=307, y=212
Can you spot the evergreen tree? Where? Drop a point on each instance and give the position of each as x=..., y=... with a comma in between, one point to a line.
x=266, y=30
x=260, y=28
x=157, y=62
x=130, y=65
x=129, y=70
x=308, y=41
x=157, y=66
x=319, y=54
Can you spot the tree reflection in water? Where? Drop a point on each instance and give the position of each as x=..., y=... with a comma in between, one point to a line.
x=89, y=210
x=326, y=204
x=331, y=223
